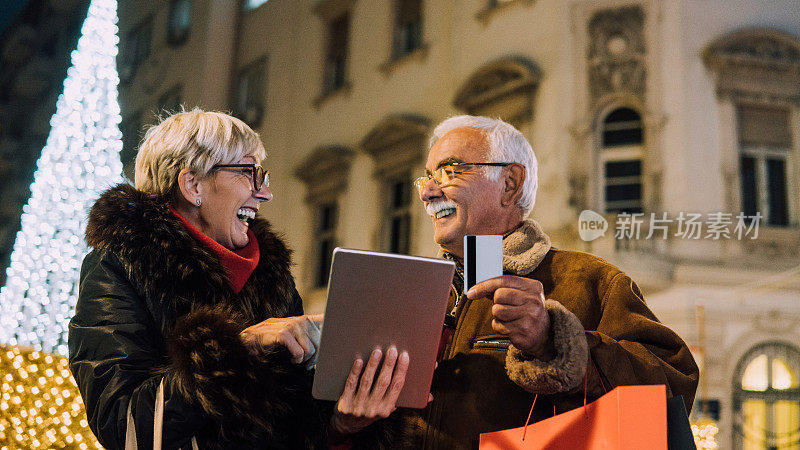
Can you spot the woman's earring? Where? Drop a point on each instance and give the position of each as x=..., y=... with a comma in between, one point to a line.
x=198, y=202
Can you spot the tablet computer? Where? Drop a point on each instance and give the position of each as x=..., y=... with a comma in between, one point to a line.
x=381, y=299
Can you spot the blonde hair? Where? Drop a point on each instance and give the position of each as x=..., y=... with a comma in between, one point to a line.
x=196, y=140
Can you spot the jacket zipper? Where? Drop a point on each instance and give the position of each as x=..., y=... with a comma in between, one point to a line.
x=493, y=341
x=498, y=343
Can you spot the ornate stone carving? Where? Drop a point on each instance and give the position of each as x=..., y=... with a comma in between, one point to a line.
x=493, y=7
x=754, y=46
x=325, y=172
x=392, y=130
x=617, y=52
x=397, y=142
x=504, y=88
x=756, y=63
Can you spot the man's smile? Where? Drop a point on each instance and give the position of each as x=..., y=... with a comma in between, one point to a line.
x=438, y=210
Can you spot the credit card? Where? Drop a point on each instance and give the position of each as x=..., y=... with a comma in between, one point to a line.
x=483, y=258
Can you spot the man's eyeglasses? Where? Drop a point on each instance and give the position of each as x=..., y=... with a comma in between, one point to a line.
x=446, y=174
x=255, y=172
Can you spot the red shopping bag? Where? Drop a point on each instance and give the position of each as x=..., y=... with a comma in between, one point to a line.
x=628, y=417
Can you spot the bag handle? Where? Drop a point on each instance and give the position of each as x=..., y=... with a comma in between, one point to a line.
x=525, y=430
x=585, y=391
x=597, y=371
x=586, y=380
x=130, y=431
x=158, y=424
x=158, y=419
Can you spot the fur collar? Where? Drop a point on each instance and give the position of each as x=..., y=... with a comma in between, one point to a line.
x=172, y=271
x=524, y=248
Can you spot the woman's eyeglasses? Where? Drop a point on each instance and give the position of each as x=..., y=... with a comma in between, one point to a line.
x=446, y=174
x=255, y=172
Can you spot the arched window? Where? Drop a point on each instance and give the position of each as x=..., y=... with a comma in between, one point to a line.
x=621, y=159
x=766, y=399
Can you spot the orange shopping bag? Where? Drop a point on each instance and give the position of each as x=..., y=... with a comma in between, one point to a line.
x=628, y=417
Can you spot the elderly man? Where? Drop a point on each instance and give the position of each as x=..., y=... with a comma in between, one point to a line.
x=536, y=329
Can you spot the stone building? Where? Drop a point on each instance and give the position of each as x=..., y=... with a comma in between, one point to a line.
x=678, y=121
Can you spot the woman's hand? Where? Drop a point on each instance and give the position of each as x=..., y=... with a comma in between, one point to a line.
x=363, y=403
x=299, y=334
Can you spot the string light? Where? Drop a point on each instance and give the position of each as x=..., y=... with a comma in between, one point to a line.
x=705, y=434
x=40, y=406
x=79, y=160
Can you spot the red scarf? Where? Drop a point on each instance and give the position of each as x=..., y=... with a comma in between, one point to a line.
x=239, y=263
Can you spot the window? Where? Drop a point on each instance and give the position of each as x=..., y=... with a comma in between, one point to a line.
x=764, y=142
x=759, y=91
x=766, y=399
x=249, y=103
x=131, y=134
x=179, y=22
x=170, y=101
x=335, y=76
x=398, y=214
x=621, y=159
x=408, y=27
x=137, y=49
x=325, y=236
x=248, y=5
x=398, y=146
x=325, y=172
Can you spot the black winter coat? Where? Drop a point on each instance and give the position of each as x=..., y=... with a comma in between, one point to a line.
x=153, y=304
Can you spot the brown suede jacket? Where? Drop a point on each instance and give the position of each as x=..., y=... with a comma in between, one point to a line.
x=484, y=384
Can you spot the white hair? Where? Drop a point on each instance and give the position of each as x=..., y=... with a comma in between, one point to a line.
x=506, y=144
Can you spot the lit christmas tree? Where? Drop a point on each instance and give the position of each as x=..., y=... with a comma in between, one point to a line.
x=79, y=161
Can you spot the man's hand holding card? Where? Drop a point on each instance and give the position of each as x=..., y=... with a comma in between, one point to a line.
x=518, y=311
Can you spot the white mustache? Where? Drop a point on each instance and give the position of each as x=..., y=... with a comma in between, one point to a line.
x=433, y=208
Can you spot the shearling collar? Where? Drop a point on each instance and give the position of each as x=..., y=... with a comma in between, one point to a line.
x=524, y=248
x=171, y=271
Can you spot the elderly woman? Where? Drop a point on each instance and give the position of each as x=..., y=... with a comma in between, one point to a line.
x=186, y=286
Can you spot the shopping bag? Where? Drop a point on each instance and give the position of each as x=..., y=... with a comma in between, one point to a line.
x=628, y=417
x=679, y=431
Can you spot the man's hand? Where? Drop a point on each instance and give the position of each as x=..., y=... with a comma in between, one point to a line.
x=363, y=403
x=518, y=312
x=298, y=334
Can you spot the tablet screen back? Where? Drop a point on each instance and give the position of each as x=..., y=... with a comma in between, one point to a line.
x=379, y=299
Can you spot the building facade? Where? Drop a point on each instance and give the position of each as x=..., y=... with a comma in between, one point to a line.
x=678, y=121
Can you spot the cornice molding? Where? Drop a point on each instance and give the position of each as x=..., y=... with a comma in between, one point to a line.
x=511, y=78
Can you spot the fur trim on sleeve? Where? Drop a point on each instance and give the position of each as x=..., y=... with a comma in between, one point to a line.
x=566, y=370
x=213, y=369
